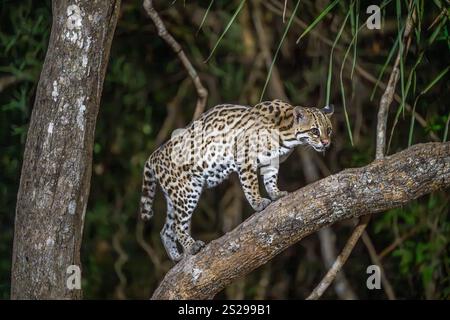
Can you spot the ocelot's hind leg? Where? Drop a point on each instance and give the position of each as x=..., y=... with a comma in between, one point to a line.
x=168, y=234
x=185, y=202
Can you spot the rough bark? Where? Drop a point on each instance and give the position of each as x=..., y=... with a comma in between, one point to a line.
x=56, y=171
x=383, y=184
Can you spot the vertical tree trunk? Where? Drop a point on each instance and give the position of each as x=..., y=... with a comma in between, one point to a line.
x=56, y=171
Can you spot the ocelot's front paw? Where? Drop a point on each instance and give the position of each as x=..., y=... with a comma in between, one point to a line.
x=278, y=195
x=196, y=247
x=175, y=257
x=261, y=204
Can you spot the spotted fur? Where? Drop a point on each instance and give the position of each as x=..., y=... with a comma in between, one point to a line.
x=225, y=139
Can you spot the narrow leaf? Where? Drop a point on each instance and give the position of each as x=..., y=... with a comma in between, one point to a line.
x=424, y=91
x=204, y=17
x=241, y=5
x=291, y=18
x=318, y=19
x=330, y=65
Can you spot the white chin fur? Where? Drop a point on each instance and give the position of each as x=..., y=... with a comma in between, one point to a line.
x=320, y=149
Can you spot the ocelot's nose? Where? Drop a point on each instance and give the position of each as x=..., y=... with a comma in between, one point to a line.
x=325, y=142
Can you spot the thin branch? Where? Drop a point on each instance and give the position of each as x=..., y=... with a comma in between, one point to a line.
x=397, y=242
x=284, y=11
x=342, y=286
x=122, y=256
x=388, y=95
x=384, y=184
x=388, y=289
x=202, y=93
x=147, y=248
x=338, y=264
x=383, y=112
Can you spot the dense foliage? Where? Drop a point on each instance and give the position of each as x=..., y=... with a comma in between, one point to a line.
x=146, y=90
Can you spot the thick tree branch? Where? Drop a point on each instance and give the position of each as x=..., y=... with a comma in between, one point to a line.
x=381, y=185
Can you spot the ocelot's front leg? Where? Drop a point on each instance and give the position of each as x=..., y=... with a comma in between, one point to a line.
x=249, y=181
x=270, y=175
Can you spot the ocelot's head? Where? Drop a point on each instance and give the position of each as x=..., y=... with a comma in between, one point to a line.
x=313, y=126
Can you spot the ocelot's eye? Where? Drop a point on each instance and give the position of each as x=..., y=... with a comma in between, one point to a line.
x=315, y=131
x=329, y=131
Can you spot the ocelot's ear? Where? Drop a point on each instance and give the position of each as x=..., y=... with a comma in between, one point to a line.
x=300, y=114
x=328, y=110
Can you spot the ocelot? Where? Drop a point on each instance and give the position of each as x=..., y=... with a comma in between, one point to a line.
x=227, y=138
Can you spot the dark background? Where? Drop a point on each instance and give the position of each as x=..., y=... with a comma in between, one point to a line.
x=145, y=85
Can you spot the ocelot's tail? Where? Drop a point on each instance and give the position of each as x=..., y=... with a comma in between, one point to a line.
x=148, y=192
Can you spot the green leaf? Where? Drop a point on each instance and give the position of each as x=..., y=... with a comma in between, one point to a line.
x=318, y=19
x=390, y=55
x=424, y=91
x=241, y=5
x=355, y=31
x=204, y=17
x=434, y=81
x=330, y=64
x=291, y=18
x=341, y=80
x=408, y=86
x=446, y=128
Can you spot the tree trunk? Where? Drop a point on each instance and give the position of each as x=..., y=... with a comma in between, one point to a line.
x=56, y=170
x=381, y=185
